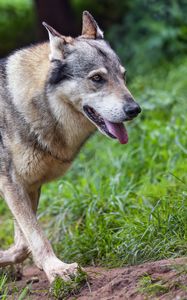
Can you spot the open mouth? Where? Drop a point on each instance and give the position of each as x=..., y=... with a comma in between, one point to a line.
x=113, y=130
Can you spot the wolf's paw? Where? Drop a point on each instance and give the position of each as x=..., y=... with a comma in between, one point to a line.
x=55, y=268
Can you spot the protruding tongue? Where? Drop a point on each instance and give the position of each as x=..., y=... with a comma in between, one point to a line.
x=118, y=130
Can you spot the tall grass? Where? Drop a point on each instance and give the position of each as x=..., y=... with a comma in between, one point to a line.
x=128, y=204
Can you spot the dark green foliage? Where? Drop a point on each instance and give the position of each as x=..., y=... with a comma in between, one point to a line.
x=16, y=24
x=151, y=31
x=144, y=32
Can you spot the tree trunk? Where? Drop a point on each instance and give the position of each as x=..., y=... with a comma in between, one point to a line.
x=58, y=14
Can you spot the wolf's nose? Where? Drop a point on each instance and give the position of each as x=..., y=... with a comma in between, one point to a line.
x=132, y=110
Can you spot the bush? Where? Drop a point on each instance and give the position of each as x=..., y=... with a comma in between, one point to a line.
x=151, y=32
x=16, y=24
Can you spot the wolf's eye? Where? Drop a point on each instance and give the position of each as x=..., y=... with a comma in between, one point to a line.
x=97, y=78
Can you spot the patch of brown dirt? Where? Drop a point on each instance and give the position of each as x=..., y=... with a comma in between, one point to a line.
x=121, y=283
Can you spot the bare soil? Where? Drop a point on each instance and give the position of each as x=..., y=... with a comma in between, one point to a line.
x=168, y=282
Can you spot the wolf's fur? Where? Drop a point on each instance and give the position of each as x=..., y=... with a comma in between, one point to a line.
x=43, y=90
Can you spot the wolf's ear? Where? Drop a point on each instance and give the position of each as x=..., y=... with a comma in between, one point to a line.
x=90, y=29
x=57, y=43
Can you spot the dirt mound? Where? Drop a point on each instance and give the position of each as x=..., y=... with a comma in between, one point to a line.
x=166, y=279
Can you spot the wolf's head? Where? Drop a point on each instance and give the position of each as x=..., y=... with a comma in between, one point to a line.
x=87, y=73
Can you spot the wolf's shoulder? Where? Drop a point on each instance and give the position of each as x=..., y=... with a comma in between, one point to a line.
x=27, y=69
x=30, y=55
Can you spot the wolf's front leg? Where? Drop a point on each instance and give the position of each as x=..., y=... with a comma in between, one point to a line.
x=18, y=252
x=18, y=201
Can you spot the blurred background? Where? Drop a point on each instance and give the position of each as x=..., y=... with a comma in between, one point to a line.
x=118, y=204
x=143, y=32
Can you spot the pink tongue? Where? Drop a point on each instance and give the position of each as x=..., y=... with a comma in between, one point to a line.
x=118, y=130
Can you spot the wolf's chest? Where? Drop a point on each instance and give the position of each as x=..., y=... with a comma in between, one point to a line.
x=37, y=167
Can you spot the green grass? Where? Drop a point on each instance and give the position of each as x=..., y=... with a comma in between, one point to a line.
x=153, y=287
x=3, y=287
x=64, y=289
x=126, y=204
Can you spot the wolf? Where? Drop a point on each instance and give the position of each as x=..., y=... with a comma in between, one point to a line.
x=53, y=96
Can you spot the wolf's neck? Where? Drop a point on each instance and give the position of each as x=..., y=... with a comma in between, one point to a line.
x=60, y=129
x=73, y=125
x=67, y=128
x=60, y=132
